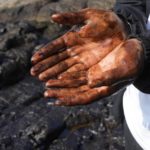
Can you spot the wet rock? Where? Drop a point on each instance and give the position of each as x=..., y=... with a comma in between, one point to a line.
x=27, y=117
x=15, y=10
x=16, y=47
x=101, y=5
x=2, y=29
x=86, y=129
x=26, y=27
x=13, y=65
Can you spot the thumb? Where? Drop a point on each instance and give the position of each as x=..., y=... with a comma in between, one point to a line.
x=69, y=18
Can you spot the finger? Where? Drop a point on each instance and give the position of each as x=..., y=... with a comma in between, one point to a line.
x=48, y=62
x=54, y=59
x=48, y=50
x=72, y=75
x=73, y=18
x=66, y=83
x=70, y=18
x=58, y=68
x=85, y=97
x=89, y=95
x=56, y=93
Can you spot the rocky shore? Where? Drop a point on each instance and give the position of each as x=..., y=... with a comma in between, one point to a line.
x=27, y=122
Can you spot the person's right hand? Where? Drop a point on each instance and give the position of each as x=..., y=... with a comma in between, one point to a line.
x=117, y=69
x=78, y=50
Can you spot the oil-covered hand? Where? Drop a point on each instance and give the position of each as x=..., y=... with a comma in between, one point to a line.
x=92, y=62
x=100, y=33
x=114, y=71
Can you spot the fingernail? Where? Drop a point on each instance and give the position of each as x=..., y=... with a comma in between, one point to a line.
x=33, y=60
x=32, y=72
x=55, y=15
x=46, y=94
x=47, y=84
x=41, y=77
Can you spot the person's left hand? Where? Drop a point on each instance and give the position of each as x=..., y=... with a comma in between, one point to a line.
x=114, y=71
x=100, y=32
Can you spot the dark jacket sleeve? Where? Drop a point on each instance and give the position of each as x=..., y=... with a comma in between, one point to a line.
x=133, y=13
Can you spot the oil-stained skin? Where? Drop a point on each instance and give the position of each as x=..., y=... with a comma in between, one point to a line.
x=102, y=79
x=122, y=63
x=88, y=63
x=98, y=26
x=93, y=53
